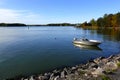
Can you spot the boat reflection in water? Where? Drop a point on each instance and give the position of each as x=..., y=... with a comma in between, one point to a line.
x=87, y=47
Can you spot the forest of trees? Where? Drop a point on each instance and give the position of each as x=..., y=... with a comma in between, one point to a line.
x=108, y=20
x=60, y=24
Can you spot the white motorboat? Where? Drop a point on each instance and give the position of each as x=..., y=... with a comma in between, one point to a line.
x=85, y=41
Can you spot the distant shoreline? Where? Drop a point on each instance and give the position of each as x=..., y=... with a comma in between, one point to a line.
x=21, y=24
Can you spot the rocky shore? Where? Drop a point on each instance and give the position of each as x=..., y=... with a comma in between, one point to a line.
x=98, y=69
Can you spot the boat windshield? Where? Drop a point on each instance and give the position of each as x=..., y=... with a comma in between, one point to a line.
x=85, y=40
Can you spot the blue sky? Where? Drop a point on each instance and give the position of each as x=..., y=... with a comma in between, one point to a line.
x=55, y=11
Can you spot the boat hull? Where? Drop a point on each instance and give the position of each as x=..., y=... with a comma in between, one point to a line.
x=87, y=47
x=89, y=43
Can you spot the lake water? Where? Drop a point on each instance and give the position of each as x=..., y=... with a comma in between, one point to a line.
x=25, y=51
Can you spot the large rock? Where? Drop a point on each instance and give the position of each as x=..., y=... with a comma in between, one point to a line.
x=98, y=60
x=97, y=72
x=111, y=57
x=93, y=65
x=111, y=66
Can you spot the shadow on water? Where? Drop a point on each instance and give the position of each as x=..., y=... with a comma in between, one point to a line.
x=87, y=47
x=113, y=33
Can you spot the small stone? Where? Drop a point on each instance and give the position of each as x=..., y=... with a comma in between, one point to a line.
x=66, y=71
x=86, y=74
x=73, y=68
x=56, y=78
x=40, y=77
x=31, y=78
x=62, y=74
x=52, y=75
x=45, y=74
x=76, y=73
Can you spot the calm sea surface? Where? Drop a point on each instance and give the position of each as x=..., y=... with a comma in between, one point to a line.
x=25, y=51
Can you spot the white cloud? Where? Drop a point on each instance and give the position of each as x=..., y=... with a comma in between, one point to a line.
x=19, y=16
